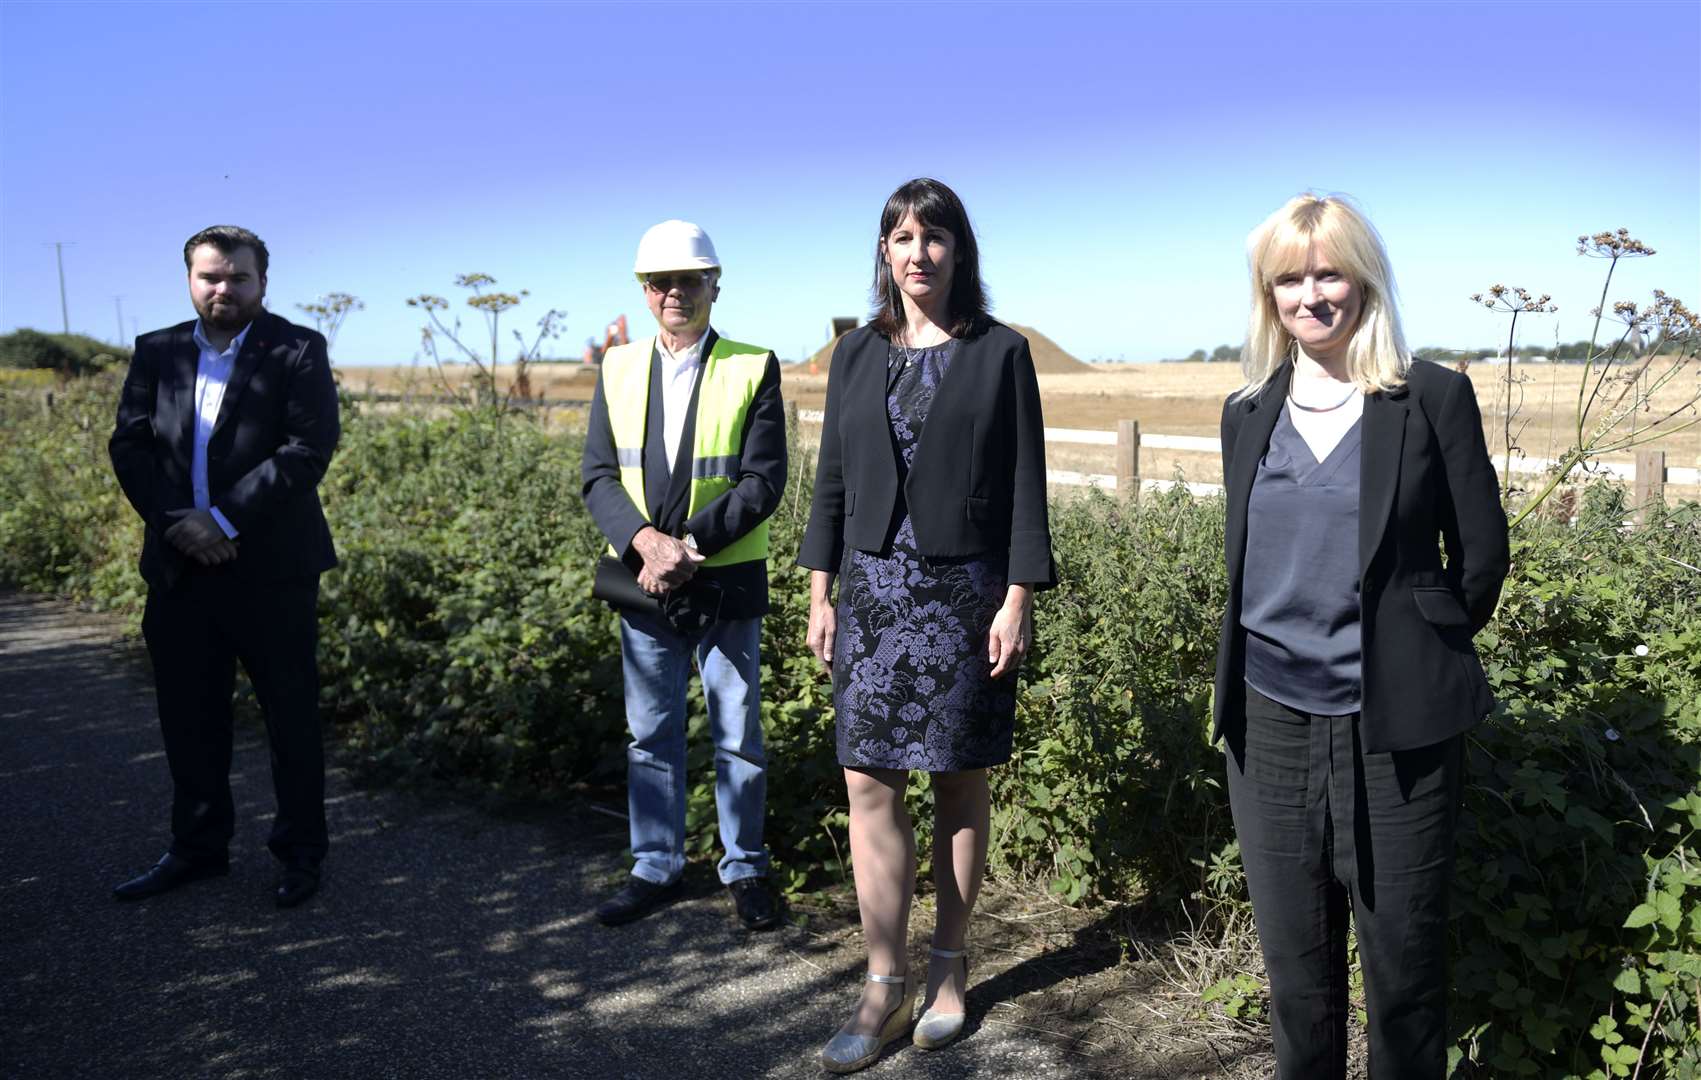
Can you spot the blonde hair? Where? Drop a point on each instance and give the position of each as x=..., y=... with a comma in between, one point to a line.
x=1377, y=358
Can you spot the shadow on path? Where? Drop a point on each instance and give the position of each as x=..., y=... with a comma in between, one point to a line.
x=446, y=941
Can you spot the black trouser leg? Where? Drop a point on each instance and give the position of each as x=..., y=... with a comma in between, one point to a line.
x=1318, y=821
x=1280, y=801
x=1405, y=839
x=194, y=676
x=276, y=635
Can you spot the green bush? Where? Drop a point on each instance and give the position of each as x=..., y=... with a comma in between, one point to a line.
x=1114, y=789
x=1578, y=899
x=459, y=635
x=90, y=355
x=64, y=525
x=75, y=354
x=459, y=641
x=28, y=348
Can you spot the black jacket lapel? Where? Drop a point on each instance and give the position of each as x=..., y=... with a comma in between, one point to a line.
x=1384, y=437
x=869, y=420
x=1258, y=420
x=254, y=347
x=186, y=364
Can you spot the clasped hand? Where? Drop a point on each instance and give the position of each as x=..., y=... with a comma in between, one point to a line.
x=668, y=563
x=196, y=534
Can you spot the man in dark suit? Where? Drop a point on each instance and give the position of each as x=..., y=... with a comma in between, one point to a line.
x=225, y=426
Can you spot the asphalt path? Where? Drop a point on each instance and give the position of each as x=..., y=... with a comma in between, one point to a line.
x=446, y=942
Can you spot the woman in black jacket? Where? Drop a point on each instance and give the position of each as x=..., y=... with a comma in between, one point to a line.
x=1345, y=674
x=930, y=510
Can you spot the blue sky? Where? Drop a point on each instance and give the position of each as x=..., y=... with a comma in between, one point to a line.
x=1112, y=156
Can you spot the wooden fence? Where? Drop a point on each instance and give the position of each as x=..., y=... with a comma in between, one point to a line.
x=1648, y=473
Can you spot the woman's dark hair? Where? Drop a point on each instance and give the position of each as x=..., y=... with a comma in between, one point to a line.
x=935, y=206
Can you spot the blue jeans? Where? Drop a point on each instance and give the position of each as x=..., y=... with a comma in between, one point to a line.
x=656, y=660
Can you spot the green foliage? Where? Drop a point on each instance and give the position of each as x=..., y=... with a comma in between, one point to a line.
x=27, y=378
x=1577, y=907
x=28, y=348
x=459, y=640
x=459, y=636
x=1114, y=789
x=1240, y=996
x=74, y=354
x=64, y=525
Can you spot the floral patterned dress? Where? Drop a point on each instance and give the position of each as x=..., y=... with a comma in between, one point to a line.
x=912, y=687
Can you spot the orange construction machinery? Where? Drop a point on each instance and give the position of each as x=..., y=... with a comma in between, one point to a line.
x=614, y=335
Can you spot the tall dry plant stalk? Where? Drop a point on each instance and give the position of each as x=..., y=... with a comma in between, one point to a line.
x=330, y=311
x=491, y=305
x=1619, y=383
x=1518, y=302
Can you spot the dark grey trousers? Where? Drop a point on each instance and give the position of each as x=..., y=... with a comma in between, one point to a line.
x=1323, y=825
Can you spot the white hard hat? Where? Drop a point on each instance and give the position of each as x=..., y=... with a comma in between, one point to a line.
x=675, y=245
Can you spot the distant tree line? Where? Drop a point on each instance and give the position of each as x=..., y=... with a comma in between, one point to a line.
x=1564, y=351
x=1219, y=355
x=1575, y=350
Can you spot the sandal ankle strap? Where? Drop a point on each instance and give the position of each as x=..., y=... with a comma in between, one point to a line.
x=948, y=954
x=871, y=977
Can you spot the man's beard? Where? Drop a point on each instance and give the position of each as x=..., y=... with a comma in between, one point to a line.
x=230, y=317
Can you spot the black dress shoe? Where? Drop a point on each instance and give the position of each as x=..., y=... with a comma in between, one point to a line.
x=636, y=900
x=757, y=908
x=297, y=884
x=167, y=874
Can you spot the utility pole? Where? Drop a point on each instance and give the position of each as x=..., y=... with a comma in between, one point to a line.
x=59, y=247
x=118, y=301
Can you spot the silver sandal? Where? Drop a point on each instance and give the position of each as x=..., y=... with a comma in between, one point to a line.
x=936, y=1029
x=846, y=1053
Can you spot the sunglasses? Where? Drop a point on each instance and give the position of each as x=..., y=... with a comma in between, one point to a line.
x=683, y=280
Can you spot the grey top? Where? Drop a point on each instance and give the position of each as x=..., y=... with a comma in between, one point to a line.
x=1299, y=597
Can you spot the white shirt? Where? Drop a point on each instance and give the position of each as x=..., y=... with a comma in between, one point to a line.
x=679, y=375
x=212, y=375
x=1323, y=431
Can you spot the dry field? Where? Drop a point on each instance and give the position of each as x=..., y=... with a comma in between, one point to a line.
x=1172, y=399
x=565, y=381
x=1187, y=399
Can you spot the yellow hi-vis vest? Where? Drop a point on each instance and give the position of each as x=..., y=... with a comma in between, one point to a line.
x=731, y=373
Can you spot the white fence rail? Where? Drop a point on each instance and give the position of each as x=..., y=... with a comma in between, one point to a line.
x=1648, y=473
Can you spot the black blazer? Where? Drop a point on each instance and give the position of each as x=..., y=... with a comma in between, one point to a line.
x=276, y=430
x=1424, y=474
x=977, y=484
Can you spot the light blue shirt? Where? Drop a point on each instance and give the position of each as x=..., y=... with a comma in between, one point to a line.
x=212, y=375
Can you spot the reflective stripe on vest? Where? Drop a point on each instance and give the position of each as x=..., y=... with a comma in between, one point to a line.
x=732, y=371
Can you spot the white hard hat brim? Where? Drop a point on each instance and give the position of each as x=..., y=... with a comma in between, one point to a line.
x=690, y=263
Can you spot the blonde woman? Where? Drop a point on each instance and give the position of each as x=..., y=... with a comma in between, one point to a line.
x=1345, y=672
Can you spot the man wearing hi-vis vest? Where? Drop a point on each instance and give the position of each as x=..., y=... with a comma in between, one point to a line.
x=685, y=459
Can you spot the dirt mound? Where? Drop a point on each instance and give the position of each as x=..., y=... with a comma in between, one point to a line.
x=822, y=359
x=1049, y=357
